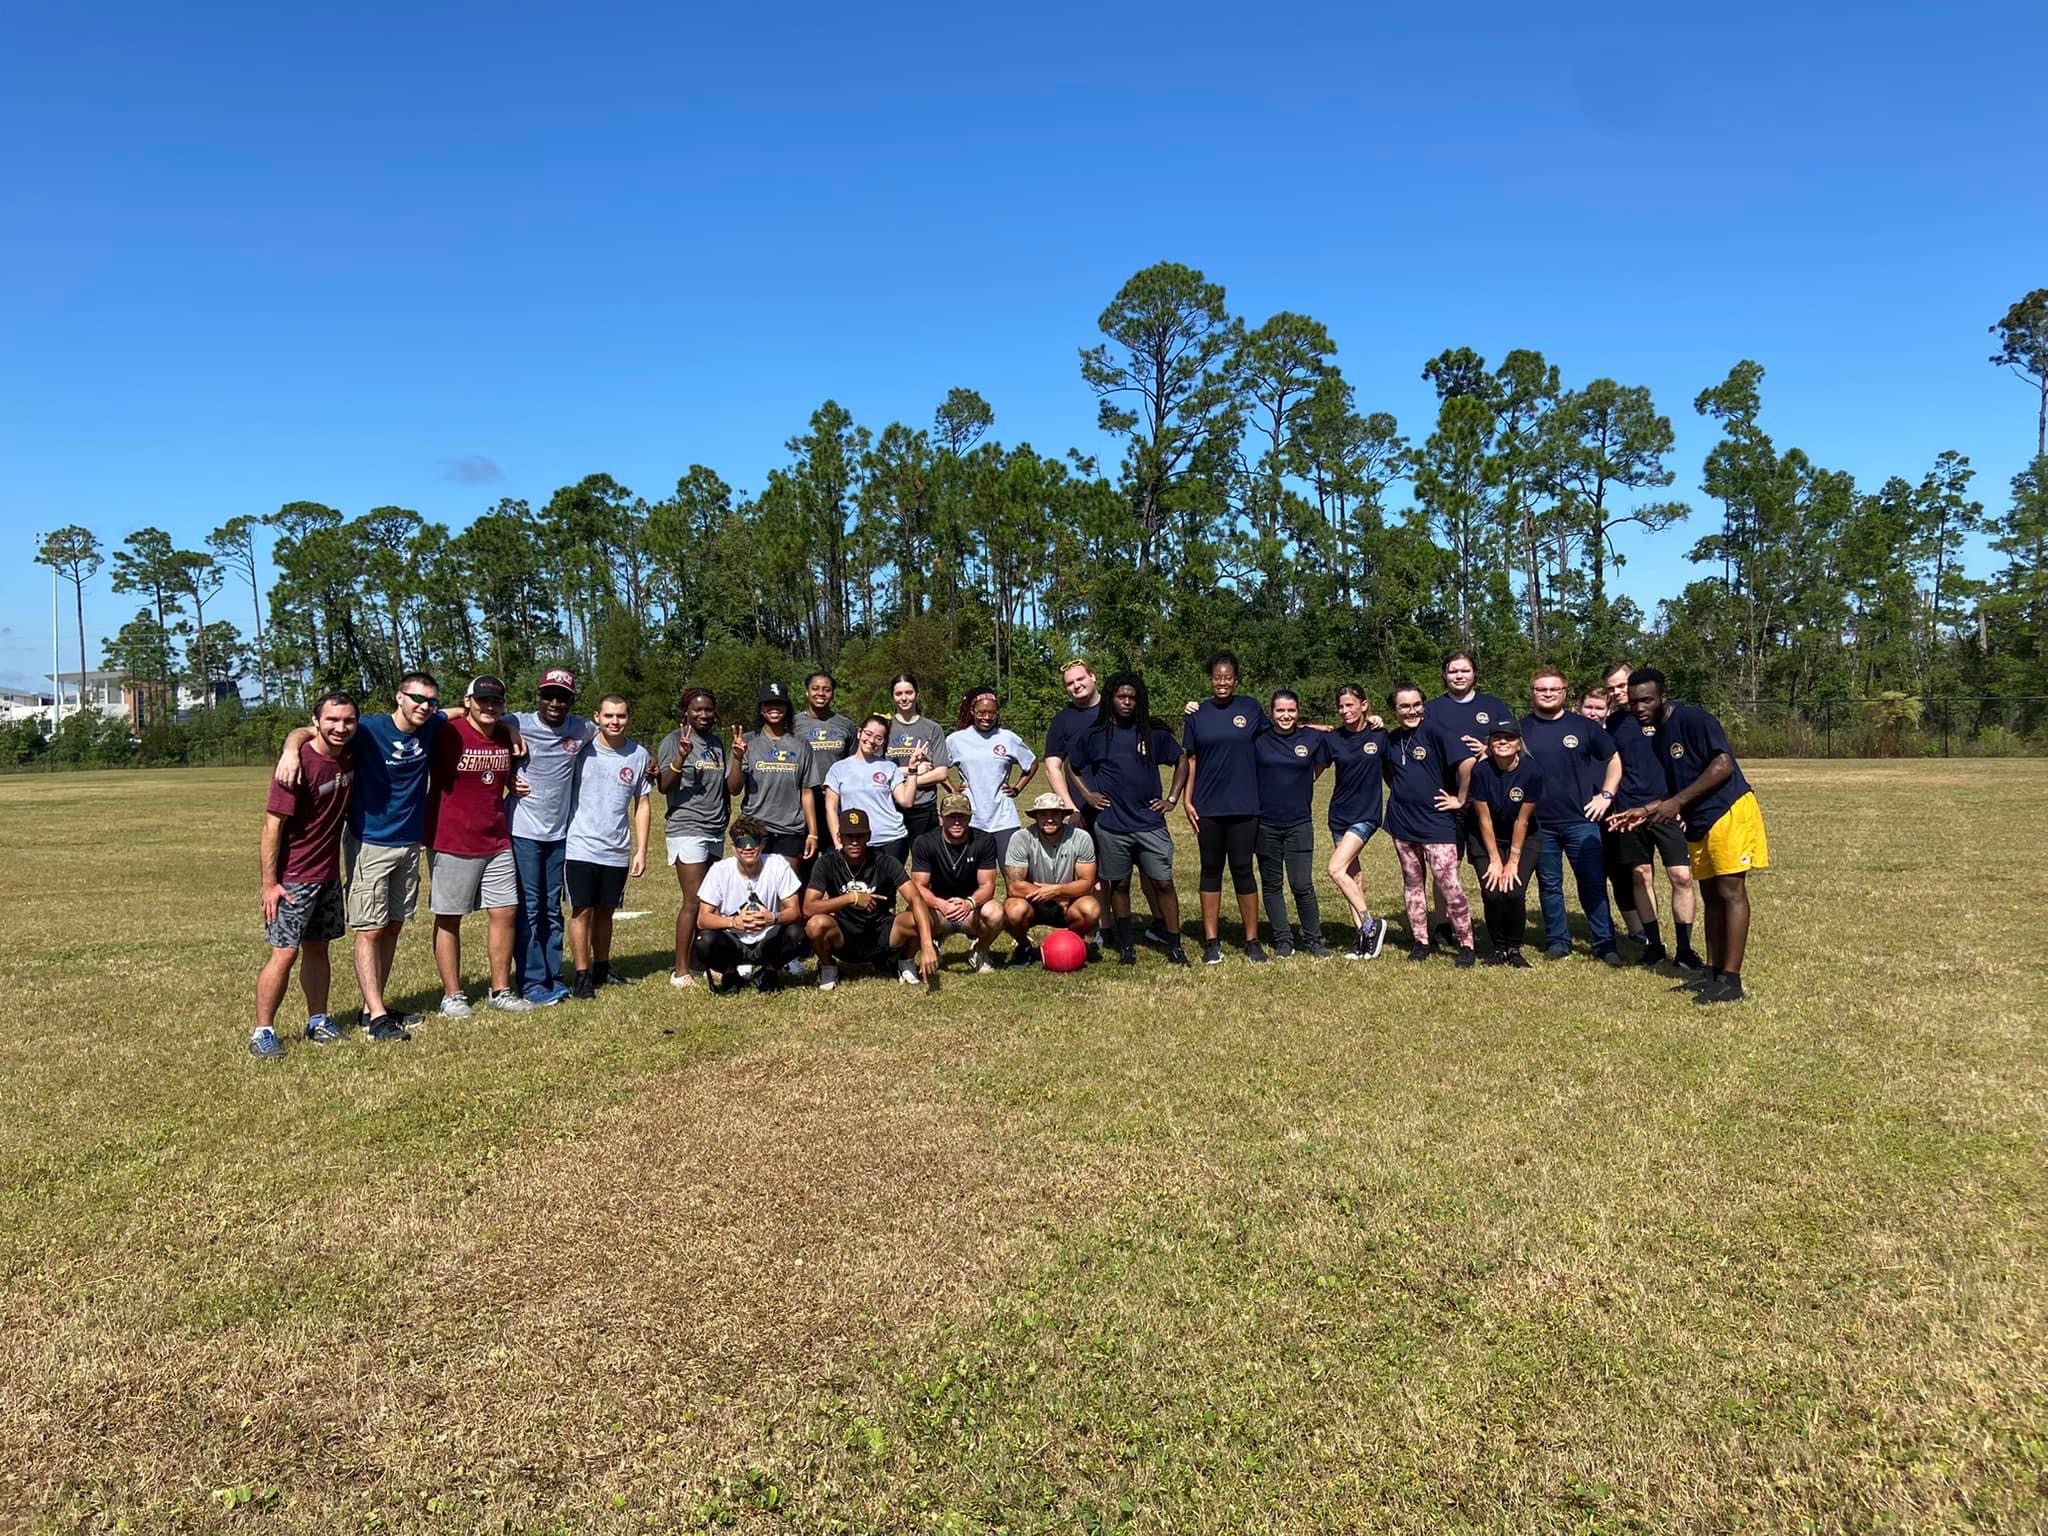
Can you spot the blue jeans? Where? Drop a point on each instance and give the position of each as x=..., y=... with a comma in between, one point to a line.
x=537, y=945
x=1579, y=842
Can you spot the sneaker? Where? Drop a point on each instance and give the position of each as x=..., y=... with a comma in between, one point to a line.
x=1610, y=957
x=1445, y=935
x=1128, y=955
x=1157, y=936
x=1495, y=957
x=612, y=979
x=585, y=989
x=1653, y=955
x=767, y=979
x=265, y=1046
x=682, y=978
x=1377, y=927
x=1094, y=952
x=1359, y=945
x=1466, y=956
x=979, y=963
x=1558, y=952
x=1283, y=950
x=1212, y=952
x=1023, y=954
x=1256, y=952
x=539, y=996
x=1689, y=961
x=795, y=969
x=828, y=977
x=383, y=1031
x=1176, y=954
x=906, y=972
x=456, y=1006
x=1723, y=989
x=1695, y=983
x=505, y=1000
x=1318, y=950
x=1418, y=953
x=1518, y=960
x=322, y=1030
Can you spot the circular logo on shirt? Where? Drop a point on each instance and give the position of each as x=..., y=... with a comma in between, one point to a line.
x=490, y=777
x=853, y=886
x=1238, y=721
x=1000, y=750
x=1678, y=749
x=627, y=774
x=783, y=754
x=1418, y=752
x=1481, y=717
x=1371, y=749
x=1515, y=794
x=1571, y=741
x=571, y=745
x=1301, y=749
x=879, y=777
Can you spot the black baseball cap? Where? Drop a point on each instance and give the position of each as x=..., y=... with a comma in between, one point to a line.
x=487, y=687
x=1508, y=727
x=855, y=820
x=772, y=693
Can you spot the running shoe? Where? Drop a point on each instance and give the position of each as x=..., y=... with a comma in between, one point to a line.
x=1518, y=960
x=1318, y=950
x=265, y=1046
x=795, y=969
x=1610, y=957
x=456, y=1006
x=1157, y=936
x=505, y=1000
x=1723, y=989
x=1212, y=952
x=1176, y=954
x=1256, y=953
x=1023, y=954
x=585, y=989
x=979, y=963
x=1466, y=957
x=1418, y=953
x=682, y=978
x=1283, y=949
x=1653, y=955
x=1128, y=955
x=906, y=972
x=828, y=977
x=322, y=1030
x=384, y=1030
x=1688, y=960
x=1558, y=952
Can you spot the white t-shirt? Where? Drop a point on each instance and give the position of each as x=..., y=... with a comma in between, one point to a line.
x=729, y=893
x=985, y=763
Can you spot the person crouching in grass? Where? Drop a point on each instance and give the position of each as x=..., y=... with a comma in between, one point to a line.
x=1504, y=788
x=850, y=911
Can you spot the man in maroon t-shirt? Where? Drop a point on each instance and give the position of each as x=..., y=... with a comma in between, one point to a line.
x=300, y=868
x=469, y=843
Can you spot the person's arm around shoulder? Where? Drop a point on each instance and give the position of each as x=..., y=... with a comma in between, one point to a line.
x=287, y=771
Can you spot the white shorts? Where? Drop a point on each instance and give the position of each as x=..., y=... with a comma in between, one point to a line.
x=695, y=850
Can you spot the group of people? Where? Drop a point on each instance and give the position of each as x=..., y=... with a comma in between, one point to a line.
x=866, y=845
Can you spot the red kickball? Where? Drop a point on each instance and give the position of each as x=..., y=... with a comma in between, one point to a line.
x=1063, y=950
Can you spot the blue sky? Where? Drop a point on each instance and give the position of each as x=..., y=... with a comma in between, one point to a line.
x=429, y=256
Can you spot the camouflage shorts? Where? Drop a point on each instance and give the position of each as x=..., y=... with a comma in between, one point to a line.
x=307, y=913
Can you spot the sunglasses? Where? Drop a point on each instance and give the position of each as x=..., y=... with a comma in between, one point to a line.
x=423, y=699
x=558, y=694
x=746, y=844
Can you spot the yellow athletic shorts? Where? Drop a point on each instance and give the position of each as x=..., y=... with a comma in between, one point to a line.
x=1735, y=844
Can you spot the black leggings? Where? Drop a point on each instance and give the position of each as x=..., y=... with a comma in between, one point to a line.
x=1228, y=837
x=1507, y=912
x=1289, y=854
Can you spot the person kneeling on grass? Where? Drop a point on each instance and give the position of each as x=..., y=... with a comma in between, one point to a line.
x=301, y=877
x=747, y=914
x=850, y=911
x=612, y=794
x=1050, y=871
x=953, y=878
x=1504, y=788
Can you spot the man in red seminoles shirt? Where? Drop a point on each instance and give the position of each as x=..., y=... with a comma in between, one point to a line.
x=469, y=844
x=301, y=875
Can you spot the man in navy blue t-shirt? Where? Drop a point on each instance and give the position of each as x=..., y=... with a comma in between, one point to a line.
x=1464, y=714
x=1580, y=771
x=1113, y=770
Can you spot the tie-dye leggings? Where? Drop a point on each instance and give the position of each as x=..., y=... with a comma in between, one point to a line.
x=1442, y=862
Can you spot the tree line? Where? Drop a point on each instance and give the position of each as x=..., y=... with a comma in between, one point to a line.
x=1250, y=500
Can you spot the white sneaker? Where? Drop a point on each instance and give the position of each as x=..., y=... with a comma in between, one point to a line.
x=508, y=1001
x=794, y=968
x=456, y=1007
x=681, y=979
x=828, y=977
x=979, y=963
x=906, y=972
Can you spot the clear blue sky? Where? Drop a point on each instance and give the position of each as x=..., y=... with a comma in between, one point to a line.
x=429, y=256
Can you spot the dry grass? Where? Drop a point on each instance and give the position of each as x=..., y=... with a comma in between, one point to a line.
x=1331, y=1248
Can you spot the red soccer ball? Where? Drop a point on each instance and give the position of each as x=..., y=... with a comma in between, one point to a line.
x=1063, y=950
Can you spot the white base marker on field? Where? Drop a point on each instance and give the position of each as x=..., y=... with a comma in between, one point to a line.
x=626, y=917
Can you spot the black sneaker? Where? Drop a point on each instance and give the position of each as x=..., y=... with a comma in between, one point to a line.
x=1446, y=936
x=586, y=987
x=1688, y=960
x=1360, y=945
x=1653, y=955
x=1723, y=989
x=1128, y=955
x=1518, y=960
x=1418, y=952
x=1283, y=950
x=1318, y=950
x=1466, y=957
x=1176, y=954
x=1608, y=957
x=1156, y=935
x=767, y=979
x=1256, y=953
x=1695, y=983
x=1212, y=952
x=1558, y=952
x=1495, y=957
x=1024, y=954
x=1375, y=937
x=386, y=1028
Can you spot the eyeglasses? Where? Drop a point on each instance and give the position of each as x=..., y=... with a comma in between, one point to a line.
x=424, y=700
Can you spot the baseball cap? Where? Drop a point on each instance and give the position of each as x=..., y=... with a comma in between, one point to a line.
x=487, y=687
x=1048, y=802
x=955, y=804
x=772, y=693
x=855, y=820
x=1507, y=727
x=558, y=677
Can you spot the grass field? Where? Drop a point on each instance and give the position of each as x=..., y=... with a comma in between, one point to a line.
x=1322, y=1247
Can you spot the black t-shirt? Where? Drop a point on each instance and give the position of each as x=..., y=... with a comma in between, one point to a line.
x=879, y=872
x=953, y=874
x=1500, y=797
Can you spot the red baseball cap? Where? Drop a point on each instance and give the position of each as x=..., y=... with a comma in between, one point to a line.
x=558, y=677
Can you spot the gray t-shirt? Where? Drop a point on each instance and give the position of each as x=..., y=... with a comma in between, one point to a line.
x=608, y=785
x=774, y=771
x=904, y=740
x=549, y=767
x=698, y=805
x=1050, y=863
x=829, y=739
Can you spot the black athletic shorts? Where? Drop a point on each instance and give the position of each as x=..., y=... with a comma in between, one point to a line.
x=1050, y=914
x=789, y=844
x=920, y=819
x=594, y=885
x=1666, y=839
x=868, y=945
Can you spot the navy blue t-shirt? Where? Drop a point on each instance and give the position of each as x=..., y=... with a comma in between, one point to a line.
x=1418, y=764
x=1219, y=737
x=1642, y=771
x=1108, y=759
x=1063, y=736
x=389, y=805
x=1287, y=773
x=1573, y=752
x=1500, y=797
x=1690, y=738
x=1360, y=757
x=1470, y=718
